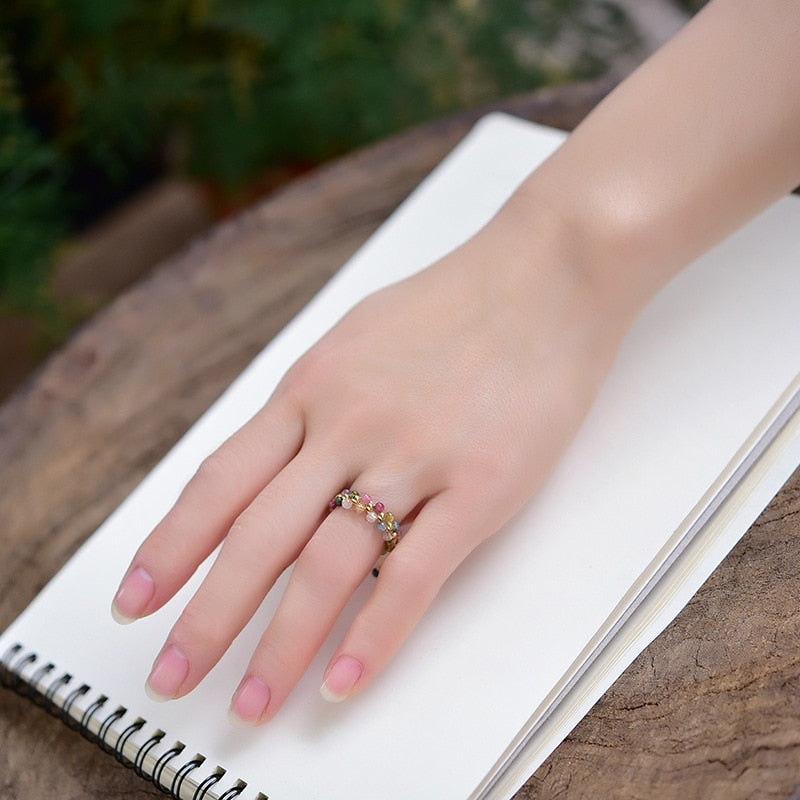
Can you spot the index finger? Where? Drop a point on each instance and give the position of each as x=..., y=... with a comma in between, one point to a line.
x=225, y=483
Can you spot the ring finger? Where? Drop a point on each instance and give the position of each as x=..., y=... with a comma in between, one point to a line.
x=328, y=571
x=266, y=537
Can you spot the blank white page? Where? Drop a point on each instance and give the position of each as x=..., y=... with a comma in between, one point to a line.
x=699, y=370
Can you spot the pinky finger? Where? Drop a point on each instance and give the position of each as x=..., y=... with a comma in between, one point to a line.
x=410, y=579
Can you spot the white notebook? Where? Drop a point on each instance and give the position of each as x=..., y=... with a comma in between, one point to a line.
x=693, y=433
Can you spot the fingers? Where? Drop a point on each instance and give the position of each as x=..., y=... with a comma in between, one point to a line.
x=221, y=489
x=330, y=568
x=328, y=571
x=264, y=530
x=261, y=543
x=409, y=580
x=367, y=396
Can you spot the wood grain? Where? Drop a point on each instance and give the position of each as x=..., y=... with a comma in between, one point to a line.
x=712, y=708
x=709, y=710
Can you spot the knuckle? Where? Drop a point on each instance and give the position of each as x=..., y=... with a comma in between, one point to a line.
x=274, y=656
x=238, y=533
x=313, y=367
x=168, y=543
x=211, y=471
x=197, y=634
x=244, y=545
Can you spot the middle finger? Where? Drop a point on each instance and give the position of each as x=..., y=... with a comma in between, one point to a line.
x=262, y=542
x=328, y=571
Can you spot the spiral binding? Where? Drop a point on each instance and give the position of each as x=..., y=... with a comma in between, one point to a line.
x=44, y=686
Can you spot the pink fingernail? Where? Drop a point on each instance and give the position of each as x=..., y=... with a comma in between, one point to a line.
x=250, y=701
x=341, y=678
x=133, y=596
x=168, y=674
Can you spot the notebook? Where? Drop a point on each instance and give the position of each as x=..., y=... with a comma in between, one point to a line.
x=694, y=431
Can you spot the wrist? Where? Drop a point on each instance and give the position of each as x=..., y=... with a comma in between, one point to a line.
x=608, y=252
x=531, y=282
x=539, y=243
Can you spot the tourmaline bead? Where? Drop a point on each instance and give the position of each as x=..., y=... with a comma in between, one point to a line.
x=371, y=516
x=381, y=526
x=379, y=507
x=365, y=499
x=347, y=502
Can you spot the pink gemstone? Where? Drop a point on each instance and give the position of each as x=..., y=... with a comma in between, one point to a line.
x=388, y=536
x=366, y=499
x=347, y=502
x=379, y=507
x=332, y=504
x=371, y=516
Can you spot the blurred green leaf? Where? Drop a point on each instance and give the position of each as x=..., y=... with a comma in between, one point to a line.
x=99, y=97
x=31, y=197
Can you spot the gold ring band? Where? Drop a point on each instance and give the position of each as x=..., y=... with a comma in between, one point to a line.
x=374, y=512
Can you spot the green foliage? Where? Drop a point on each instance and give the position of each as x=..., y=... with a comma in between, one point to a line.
x=243, y=83
x=31, y=189
x=117, y=91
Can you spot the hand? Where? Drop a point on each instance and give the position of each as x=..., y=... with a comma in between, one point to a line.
x=448, y=397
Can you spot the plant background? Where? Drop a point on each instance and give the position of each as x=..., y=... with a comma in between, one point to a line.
x=99, y=98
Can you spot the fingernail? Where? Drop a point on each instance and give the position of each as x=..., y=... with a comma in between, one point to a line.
x=341, y=678
x=133, y=596
x=167, y=675
x=250, y=701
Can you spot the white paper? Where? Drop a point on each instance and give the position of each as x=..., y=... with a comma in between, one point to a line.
x=702, y=366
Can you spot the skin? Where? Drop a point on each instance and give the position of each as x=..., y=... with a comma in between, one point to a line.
x=510, y=339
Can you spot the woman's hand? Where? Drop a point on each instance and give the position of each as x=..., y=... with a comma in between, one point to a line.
x=447, y=397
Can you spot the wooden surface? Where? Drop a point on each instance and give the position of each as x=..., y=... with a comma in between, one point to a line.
x=710, y=710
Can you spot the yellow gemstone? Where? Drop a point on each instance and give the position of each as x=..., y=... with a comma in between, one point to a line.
x=388, y=518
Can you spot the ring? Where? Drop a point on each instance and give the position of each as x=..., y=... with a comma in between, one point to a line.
x=375, y=513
